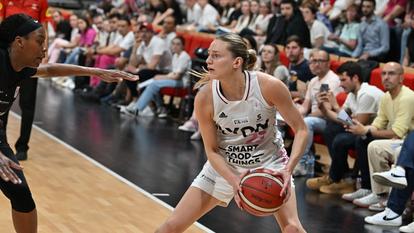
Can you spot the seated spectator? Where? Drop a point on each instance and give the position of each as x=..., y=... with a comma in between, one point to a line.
x=193, y=12
x=225, y=9
x=289, y=23
x=401, y=179
x=393, y=15
x=124, y=39
x=262, y=21
x=409, y=49
x=63, y=28
x=168, y=30
x=208, y=17
x=181, y=62
x=87, y=37
x=361, y=104
x=244, y=19
x=318, y=31
x=373, y=37
x=394, y=120
x=59, y=43
x=348, y=37
x=394, y=12
x=314, y=119
x=300, y=74
x=338, y=7
x=150, y=56
x=270, y=64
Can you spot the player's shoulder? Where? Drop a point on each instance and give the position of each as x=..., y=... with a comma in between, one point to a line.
x=204, y=93
x=267, y=81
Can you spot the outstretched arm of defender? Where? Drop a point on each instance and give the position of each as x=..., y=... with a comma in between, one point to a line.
x=56, y=70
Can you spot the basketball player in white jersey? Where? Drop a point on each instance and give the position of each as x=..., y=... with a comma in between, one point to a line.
x=236, y=111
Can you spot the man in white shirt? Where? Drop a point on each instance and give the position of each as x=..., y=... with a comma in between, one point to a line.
x=361, y=104
x=150, y=56
x=325, y=80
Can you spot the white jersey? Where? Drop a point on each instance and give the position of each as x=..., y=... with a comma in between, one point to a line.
x=246, y=129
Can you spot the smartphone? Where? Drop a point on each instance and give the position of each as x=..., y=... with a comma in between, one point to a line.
x=324, y=87
x=344, y=117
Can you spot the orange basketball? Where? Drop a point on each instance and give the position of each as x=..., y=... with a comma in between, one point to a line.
x=260, y=192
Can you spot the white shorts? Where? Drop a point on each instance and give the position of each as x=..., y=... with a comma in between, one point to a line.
x=211, y=182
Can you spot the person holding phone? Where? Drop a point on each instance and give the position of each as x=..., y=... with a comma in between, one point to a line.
x=314, y=119
x=361, y=104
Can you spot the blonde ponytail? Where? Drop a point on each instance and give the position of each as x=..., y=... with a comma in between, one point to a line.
x=251, y=60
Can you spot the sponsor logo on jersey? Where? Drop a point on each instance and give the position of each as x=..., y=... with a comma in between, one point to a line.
x=222, y=115
x=246, y=130
x=242, y=155
x=240, y=121
x=259, y=117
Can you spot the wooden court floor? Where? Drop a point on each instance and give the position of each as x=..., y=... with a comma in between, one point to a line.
x=74, y=195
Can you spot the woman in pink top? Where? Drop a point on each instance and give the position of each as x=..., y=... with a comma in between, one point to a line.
x=87, y=37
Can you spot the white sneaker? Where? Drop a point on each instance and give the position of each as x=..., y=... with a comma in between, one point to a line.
x=131, y=106
x=188, y=126
x=147, y=112
x=384, y=219
x=378, y=207
x=299, y=170
x=129, y=112
x=394, y=178
x=163, y=112
x=408, y=228
x=196, y=136
x=355, y=195
x=366, y=201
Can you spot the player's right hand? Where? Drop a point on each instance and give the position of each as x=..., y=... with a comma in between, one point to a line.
x=6, y=170
x=237, y=189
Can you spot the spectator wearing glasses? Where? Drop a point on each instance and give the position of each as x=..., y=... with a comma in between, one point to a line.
x=314, y=119
x=378, y=143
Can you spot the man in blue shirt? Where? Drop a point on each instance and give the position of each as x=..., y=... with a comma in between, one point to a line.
x=374, y=35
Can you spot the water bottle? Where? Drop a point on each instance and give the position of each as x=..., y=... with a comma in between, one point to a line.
x=310, y=165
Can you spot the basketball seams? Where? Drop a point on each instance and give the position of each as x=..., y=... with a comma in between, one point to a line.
x=249, y=204
x=256, y=207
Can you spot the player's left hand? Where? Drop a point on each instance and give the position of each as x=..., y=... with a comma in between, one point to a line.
x=287, y=176
x=115, y=75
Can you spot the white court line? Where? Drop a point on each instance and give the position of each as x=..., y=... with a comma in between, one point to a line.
x=122, y=179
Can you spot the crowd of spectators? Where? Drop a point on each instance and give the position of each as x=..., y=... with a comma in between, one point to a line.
x=141, y=37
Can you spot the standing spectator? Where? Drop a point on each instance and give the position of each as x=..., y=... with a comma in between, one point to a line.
x=39, y=11
x=374, y=36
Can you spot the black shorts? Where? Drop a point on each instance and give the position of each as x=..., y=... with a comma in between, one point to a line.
x=18, y=194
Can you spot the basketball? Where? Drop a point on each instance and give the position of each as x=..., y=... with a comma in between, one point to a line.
x=260, y=192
